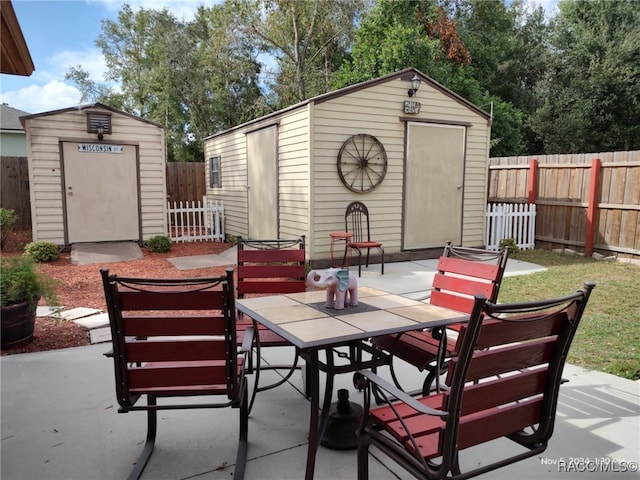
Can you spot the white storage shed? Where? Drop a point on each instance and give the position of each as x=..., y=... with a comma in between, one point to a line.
x=418, y=159
x=96, y=174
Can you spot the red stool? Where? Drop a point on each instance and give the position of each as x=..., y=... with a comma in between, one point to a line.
x=340, y=237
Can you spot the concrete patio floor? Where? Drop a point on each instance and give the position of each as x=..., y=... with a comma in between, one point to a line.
x=60, y=421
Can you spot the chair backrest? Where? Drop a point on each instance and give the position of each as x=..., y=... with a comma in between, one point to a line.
x=465, y=272
x=507, y=374
x=172, y=337
x=356, y=221
x=503, y=382
x=271, y=266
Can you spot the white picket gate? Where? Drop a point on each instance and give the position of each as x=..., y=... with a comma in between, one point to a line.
x=196, y=221
x=511, y=220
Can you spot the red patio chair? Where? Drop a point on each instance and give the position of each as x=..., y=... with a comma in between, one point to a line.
x=175, y=339
x=356, y=221
x=462, y=273
x=268, y=267
x=503, y=382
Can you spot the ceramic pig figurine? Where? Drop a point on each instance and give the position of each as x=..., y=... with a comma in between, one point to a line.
x=338, y=282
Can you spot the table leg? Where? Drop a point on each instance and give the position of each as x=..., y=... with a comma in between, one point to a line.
x=318, y=418
x=328, y=395
x=314, y=384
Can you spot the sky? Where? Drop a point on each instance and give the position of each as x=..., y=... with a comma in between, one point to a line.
x=61, y=34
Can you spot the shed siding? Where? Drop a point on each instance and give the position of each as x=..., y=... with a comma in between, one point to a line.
x=232, y=150
x=293, y=175
x=378, y=111
x=44, y=135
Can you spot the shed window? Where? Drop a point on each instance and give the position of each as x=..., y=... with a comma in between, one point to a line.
x=214, y=172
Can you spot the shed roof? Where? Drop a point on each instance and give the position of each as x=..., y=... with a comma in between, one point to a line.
x=86, y=107
x=407, y=72
x=10, y=118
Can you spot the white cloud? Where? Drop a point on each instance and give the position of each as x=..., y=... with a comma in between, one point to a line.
x=91, y=61
x=550, y=7
x=181, y=9
x=48, y=90
x=42, y=98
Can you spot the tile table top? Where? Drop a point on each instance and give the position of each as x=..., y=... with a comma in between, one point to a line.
x=305, y=321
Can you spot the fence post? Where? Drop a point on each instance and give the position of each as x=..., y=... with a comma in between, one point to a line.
x=592, y=207
x=533, y=180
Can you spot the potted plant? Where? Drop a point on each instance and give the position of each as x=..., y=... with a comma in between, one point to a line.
x=21, y=287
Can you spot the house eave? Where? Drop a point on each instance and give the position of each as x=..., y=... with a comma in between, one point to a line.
x=15, y=58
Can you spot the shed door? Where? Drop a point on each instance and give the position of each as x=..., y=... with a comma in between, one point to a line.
x=434, y=177
x=262, y=196
x=101, y=193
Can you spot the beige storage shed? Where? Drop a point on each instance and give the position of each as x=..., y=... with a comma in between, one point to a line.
x=96, y=174
x=418, y=159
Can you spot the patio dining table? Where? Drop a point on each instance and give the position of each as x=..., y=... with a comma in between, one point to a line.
x=305, y=321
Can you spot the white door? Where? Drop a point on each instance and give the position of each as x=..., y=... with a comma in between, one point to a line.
x=262, y=196
x=434, y=175
x=101, y=192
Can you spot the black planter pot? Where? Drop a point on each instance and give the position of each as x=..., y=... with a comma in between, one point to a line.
x=18, y=322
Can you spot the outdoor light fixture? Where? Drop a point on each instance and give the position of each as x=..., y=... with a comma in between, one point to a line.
x=415, y=85
x=100, y=130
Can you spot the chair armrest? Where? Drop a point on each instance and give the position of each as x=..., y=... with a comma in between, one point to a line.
x=247, y=341
x=400, y=395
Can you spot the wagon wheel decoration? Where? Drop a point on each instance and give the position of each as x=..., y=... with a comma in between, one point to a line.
x=362, y=163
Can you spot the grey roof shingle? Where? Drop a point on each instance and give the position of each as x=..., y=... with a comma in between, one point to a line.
x=10, y=118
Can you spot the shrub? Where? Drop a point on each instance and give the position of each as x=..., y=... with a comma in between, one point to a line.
x=20, y=282
x=159, y=244
x=511, y=243
x=42, y=251
x=8, y=218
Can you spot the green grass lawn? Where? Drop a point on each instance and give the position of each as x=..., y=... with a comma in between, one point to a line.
x=608, y=338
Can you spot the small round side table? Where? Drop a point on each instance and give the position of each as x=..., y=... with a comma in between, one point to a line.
x=340, y=237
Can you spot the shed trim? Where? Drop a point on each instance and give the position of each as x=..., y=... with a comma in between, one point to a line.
x=360, y=86
x=438, y=122
x=401, y=74
x=85, y=140
x=262, y=127
x=89, y=106
x=65, y=217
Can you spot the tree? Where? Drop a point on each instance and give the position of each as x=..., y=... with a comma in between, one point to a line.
x=508, y=49
x=423, y=34
x=308, y=40
x=132, y=50
x=591, y=89
x=215, y=72
x=390, y=37
x=195, y=78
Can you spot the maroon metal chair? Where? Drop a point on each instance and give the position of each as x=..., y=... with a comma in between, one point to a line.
x=176, y=338
x=356, y=221
x=503, y=382
x=462, y=273
x=268, y=267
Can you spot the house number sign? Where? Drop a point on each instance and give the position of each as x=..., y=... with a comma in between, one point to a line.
x=411, y=106
x=99, y=148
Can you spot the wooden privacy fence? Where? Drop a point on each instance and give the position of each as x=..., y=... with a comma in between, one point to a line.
x=14, y=189
x=588, y=201
x=196, y=221
x=185, y=181
x=508, y=220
